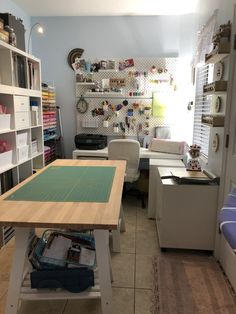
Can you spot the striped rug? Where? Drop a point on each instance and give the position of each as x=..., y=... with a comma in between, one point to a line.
x=189, y=283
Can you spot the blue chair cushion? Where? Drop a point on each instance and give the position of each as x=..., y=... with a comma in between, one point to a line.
x=227, y=219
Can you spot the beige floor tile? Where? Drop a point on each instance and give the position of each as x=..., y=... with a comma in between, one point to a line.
x=127, y=242
x=6, y=255
x=123, y=300
x=146, y=242
x=130, y=222
x=143, y=301
x=144, y=223
x=11, y=243
x=123, y=267
x=43, y=307
x=3, y=304
x=123, y=303
x=3, y=287
x=144, y=271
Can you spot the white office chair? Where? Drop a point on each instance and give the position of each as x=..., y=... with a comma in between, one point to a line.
x=128, y=150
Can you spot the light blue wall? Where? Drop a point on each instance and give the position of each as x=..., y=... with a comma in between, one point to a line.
x=8, y=6
x=103, y=37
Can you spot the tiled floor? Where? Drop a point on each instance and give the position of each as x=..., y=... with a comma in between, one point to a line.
x=132, y=271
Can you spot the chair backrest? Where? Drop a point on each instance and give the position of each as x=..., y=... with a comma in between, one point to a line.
x=128, y=150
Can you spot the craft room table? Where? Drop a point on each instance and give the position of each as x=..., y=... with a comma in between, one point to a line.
x=51, y=199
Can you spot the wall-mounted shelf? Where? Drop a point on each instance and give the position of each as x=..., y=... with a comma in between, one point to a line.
x=217, y=86
x=86, y=83
x=103, y=94
x=216, y=58
x=108, y=70
x=219, y=53
x=213, y=120
x=106, y=95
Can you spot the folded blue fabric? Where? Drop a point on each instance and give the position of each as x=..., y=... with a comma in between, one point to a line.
x=73, y=280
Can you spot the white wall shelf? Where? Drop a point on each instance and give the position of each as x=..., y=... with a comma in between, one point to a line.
x=217, y=58
x=86, y=83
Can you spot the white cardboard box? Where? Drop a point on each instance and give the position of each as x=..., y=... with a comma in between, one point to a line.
x=34, y=147
x=23, y=152
x=5, y=159
x=5, y=121
x=21, y=139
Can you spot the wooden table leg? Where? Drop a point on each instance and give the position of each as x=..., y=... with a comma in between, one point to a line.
x=22, y=236
x=116, y=233
x=103, y=263
x=122, y=217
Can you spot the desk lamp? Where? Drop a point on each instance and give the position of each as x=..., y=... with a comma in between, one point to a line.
x=39, y=30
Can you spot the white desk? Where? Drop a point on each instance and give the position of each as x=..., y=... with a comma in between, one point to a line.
x=103, y=153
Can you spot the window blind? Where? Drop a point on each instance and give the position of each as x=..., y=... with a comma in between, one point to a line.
x=204, y=75
x=202, y=105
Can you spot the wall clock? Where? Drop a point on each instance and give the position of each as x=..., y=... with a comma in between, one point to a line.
x=82, y=105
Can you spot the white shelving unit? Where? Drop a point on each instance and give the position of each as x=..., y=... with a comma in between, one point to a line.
x=20, y=91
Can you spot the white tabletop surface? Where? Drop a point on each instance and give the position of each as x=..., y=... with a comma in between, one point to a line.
x=144, y=153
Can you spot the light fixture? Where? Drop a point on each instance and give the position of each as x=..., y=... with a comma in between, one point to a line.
x=39, y=30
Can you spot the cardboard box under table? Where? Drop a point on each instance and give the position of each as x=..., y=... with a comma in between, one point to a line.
x=67, y=194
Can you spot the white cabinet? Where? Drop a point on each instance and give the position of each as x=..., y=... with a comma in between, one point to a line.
x=152, y=191
x=20, y=89
x=185, y=213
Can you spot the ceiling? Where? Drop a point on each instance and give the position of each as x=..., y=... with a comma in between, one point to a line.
x=106, y=7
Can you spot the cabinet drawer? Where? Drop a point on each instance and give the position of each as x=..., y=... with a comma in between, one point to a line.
x=22, y=119
x=21, y=103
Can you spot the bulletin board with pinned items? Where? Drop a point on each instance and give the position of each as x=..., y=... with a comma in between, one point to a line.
x=128, y=97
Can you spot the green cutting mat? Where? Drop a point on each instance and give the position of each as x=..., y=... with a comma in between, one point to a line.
x=68, y=184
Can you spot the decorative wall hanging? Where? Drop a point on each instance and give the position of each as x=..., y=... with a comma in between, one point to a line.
x=73, y=54
x=215, y=142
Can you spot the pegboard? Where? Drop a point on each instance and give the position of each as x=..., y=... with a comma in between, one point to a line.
x=136, y=84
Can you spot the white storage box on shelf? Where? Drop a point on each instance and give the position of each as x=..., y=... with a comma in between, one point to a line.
x=21, y=139
x=23, y=153
x=22, y=119
x=22, y=115
x=34, y=147
x=5, y=159
x=5, y=122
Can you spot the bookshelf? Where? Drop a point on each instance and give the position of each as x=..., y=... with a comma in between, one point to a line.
x=21, y=122
x=49, y=122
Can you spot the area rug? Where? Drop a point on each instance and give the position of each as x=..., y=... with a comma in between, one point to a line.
x=189, y=283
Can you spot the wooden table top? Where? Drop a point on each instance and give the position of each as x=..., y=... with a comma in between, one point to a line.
x=88, y=215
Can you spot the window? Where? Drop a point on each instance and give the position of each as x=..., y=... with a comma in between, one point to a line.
x=201, y=132
x=204, y=75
